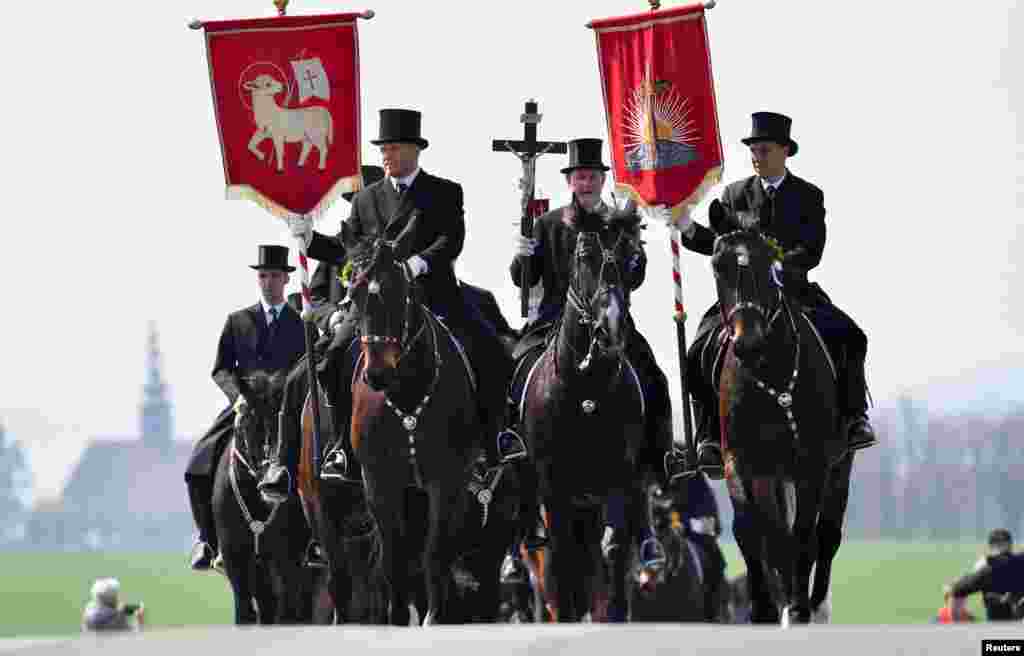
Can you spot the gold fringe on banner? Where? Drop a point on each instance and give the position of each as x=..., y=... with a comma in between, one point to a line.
x=711, y=178
x=342, y=186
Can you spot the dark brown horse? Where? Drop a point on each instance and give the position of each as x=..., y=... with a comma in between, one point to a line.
x=583, y=419
x=415, y=428
x=786, y=465
x=262, y=547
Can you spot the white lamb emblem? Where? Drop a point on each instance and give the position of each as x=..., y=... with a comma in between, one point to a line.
x=312, y=126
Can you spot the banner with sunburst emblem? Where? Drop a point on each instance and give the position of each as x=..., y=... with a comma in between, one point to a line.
x=659, y=100
x=286, y=100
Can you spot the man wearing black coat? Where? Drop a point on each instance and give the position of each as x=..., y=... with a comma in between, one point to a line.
x=267, y=336
x=423, y=214
x=791, y=210
x=550, y=251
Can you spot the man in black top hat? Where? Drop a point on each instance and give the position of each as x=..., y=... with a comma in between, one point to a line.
x=791, y=210
x=550, y=251
x=267, y=336
x=424, y=215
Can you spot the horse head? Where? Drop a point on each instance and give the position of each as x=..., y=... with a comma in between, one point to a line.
x=745, y=264
x=256, y=427
x=382, y=290
x=599, y=286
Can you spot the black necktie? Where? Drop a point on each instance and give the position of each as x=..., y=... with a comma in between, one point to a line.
x=401, y=188
x=272, y=326
x=770, y=191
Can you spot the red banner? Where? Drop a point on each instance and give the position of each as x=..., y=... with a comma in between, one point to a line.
x=659, y=99
x=286, y=99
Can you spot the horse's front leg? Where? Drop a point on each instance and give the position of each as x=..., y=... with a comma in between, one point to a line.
x=808, y=504
x=238, y=571
x=446, y=506
x=389, y=509
x=747, y=530
x=830, y=536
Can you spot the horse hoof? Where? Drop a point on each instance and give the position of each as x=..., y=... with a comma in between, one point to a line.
x=823, y=613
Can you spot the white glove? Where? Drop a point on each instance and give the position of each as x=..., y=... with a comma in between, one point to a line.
x=334, y=320
x=656, y=214
x=417, y=266
x=526, y=246
x=301, y=229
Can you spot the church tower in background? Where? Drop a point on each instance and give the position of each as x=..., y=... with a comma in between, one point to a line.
x=156, y=424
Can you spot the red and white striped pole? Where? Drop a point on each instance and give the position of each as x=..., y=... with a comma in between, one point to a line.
x=310, y=330
x=675, y=237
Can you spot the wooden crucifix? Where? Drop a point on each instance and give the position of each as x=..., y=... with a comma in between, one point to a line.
x=528, y=150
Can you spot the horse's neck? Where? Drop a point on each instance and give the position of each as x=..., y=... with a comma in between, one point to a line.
x=572, y=346
x=420, y=360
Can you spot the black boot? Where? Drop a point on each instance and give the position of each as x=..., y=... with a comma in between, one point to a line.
x=276, y=485
x=200, y=495
x=709, y=450
x=859, y=433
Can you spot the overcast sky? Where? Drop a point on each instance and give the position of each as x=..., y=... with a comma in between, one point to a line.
x=114, y=209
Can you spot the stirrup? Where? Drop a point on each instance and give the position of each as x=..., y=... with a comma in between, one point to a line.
x=511, y=447
x=335, y=468
x=656, y=559
x=313, y=558
x=270, y=489
x=676, y=468
x=711, y=465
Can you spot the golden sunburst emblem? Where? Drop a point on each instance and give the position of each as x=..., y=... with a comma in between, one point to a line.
x=659, y=129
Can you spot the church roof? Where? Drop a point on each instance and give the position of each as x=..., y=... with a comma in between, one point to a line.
x=129, y=477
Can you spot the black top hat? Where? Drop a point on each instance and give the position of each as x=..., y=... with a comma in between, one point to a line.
x=769, y=126
x=585, y=154
x=400, y=126
x=273, y=257
x=371, y=174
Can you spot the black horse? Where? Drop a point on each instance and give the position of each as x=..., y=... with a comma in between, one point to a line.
x=415, y=428
x=583, y=419
x=786, y=465
x=687, y=588
x=261, y=548
x=487, y=535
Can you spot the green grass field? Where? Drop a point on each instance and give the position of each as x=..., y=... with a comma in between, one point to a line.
x=43, y=594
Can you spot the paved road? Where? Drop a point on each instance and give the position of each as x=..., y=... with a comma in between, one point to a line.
x=507, y=640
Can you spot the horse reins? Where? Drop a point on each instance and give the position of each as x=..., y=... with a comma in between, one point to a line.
x=408, y=420
x=783, y=398
x=587, y=318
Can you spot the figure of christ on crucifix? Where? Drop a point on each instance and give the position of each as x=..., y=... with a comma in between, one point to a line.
x=528, y=150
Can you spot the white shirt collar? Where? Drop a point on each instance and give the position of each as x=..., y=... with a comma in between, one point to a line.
x=407, y=180
x=266, y=309
x=776, y=183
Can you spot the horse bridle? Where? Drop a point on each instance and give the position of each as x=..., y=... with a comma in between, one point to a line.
x=742, y=266
x=783, y=396
x=403, y=342
x=586, y=317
